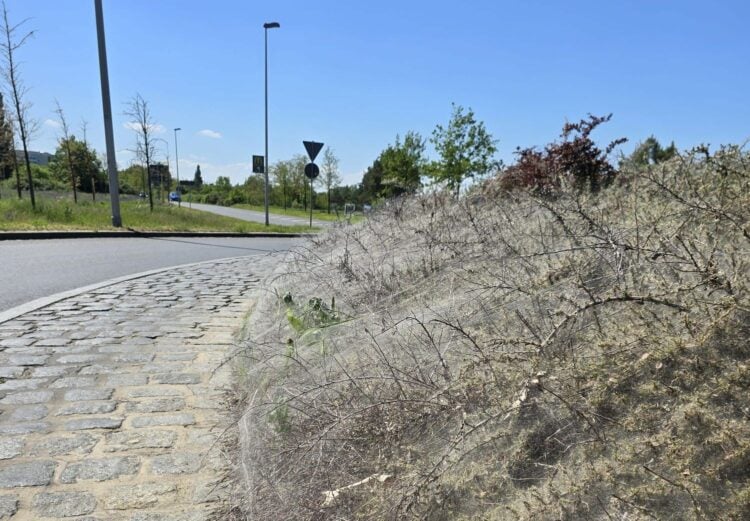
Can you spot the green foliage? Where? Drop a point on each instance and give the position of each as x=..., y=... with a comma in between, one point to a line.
x=313, y=315
x=372, y=182
x=198, y=177
x=132, y=180
x=329, y=177
x=465, y=148
x=44, y=180
x=7, y=150
x=403, y=165
x=61, y=214
x=84, y=162
x=650, y=152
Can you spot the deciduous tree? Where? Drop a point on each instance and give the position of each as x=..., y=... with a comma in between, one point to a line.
x=465, y=147
x=142, y=123
x=403, y=164
x=330, y=177
x=64, y=142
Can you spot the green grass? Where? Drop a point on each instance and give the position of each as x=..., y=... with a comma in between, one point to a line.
x=54, y=213
x=320, y=215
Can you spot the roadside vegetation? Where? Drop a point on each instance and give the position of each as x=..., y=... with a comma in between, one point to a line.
x=569, y=340
x=61, y=213
x=318, y=215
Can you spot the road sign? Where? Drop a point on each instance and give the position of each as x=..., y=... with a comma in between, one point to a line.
x=258, y=164
x=313, y=149
x=311, y=170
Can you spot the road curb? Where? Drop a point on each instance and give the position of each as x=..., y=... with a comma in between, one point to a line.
x=130, y=234
x=43, y=302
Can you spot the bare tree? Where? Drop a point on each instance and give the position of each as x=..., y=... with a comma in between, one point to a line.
x=64, y=142
x=143, y=125
x=330, y=177
x=26, y=126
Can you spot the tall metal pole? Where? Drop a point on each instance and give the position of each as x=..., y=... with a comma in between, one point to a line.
x=266, y=27
x=177, y=166
x=265, y=165
x=114, y=185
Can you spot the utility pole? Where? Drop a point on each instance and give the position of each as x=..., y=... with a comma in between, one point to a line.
x=266, y=27
x=177, y=168
x=114, y=185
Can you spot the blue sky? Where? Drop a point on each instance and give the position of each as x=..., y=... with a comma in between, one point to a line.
x=356, y=74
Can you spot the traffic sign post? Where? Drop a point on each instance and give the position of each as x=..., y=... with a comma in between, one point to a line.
x=311, y=171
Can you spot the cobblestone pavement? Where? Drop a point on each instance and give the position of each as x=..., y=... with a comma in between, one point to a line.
x=111, y=402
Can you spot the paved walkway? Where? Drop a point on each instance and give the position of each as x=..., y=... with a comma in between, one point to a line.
x=112, y=402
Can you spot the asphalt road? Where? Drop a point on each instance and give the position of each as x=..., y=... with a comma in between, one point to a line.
x=39, y=268
x=259, y=217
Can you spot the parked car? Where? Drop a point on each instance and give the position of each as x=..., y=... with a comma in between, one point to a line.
x=175, y=196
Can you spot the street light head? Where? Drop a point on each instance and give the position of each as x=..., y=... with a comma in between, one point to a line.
x=271, y=25
x=178, y=128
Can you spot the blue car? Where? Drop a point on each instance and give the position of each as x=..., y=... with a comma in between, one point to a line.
x=175, y=196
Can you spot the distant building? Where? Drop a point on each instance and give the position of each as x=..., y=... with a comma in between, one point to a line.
x=35, y=158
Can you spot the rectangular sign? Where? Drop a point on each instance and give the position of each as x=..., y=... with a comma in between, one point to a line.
x=258, y=164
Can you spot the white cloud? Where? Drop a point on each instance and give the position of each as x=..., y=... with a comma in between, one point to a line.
x=52, y=123
x=210, y=133
x=155, y=127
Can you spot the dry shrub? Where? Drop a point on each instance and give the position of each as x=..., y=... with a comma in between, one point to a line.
x=505, y=356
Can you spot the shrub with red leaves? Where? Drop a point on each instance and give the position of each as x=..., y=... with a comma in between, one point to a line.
x=576, y=158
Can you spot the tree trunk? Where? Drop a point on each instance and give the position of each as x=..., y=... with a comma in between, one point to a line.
x=28, y=171
x=72, y=174
x=18, y=174
x=148, y=177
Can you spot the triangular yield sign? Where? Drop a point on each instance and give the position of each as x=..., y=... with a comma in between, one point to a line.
x=313, y=149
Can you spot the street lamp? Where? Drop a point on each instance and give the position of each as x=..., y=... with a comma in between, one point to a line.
x=177, y=165
x=267, y=26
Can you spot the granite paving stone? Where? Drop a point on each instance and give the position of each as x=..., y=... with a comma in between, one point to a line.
x=29, y=413
x=33, y=474
x=100, y=469
x=8, y=506
x=157, y=405
x=10, y=447
x=140, y=439
x=75, y=395
x=64, y=504
x=93, y=423
x=61, y=445
x=87, y=407
x=10, y=429
x=27, y=398
x=176, y=463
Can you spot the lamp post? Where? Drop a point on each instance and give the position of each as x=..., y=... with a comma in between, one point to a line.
x=267, y=26
x=177, y=166
x=114, y=186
